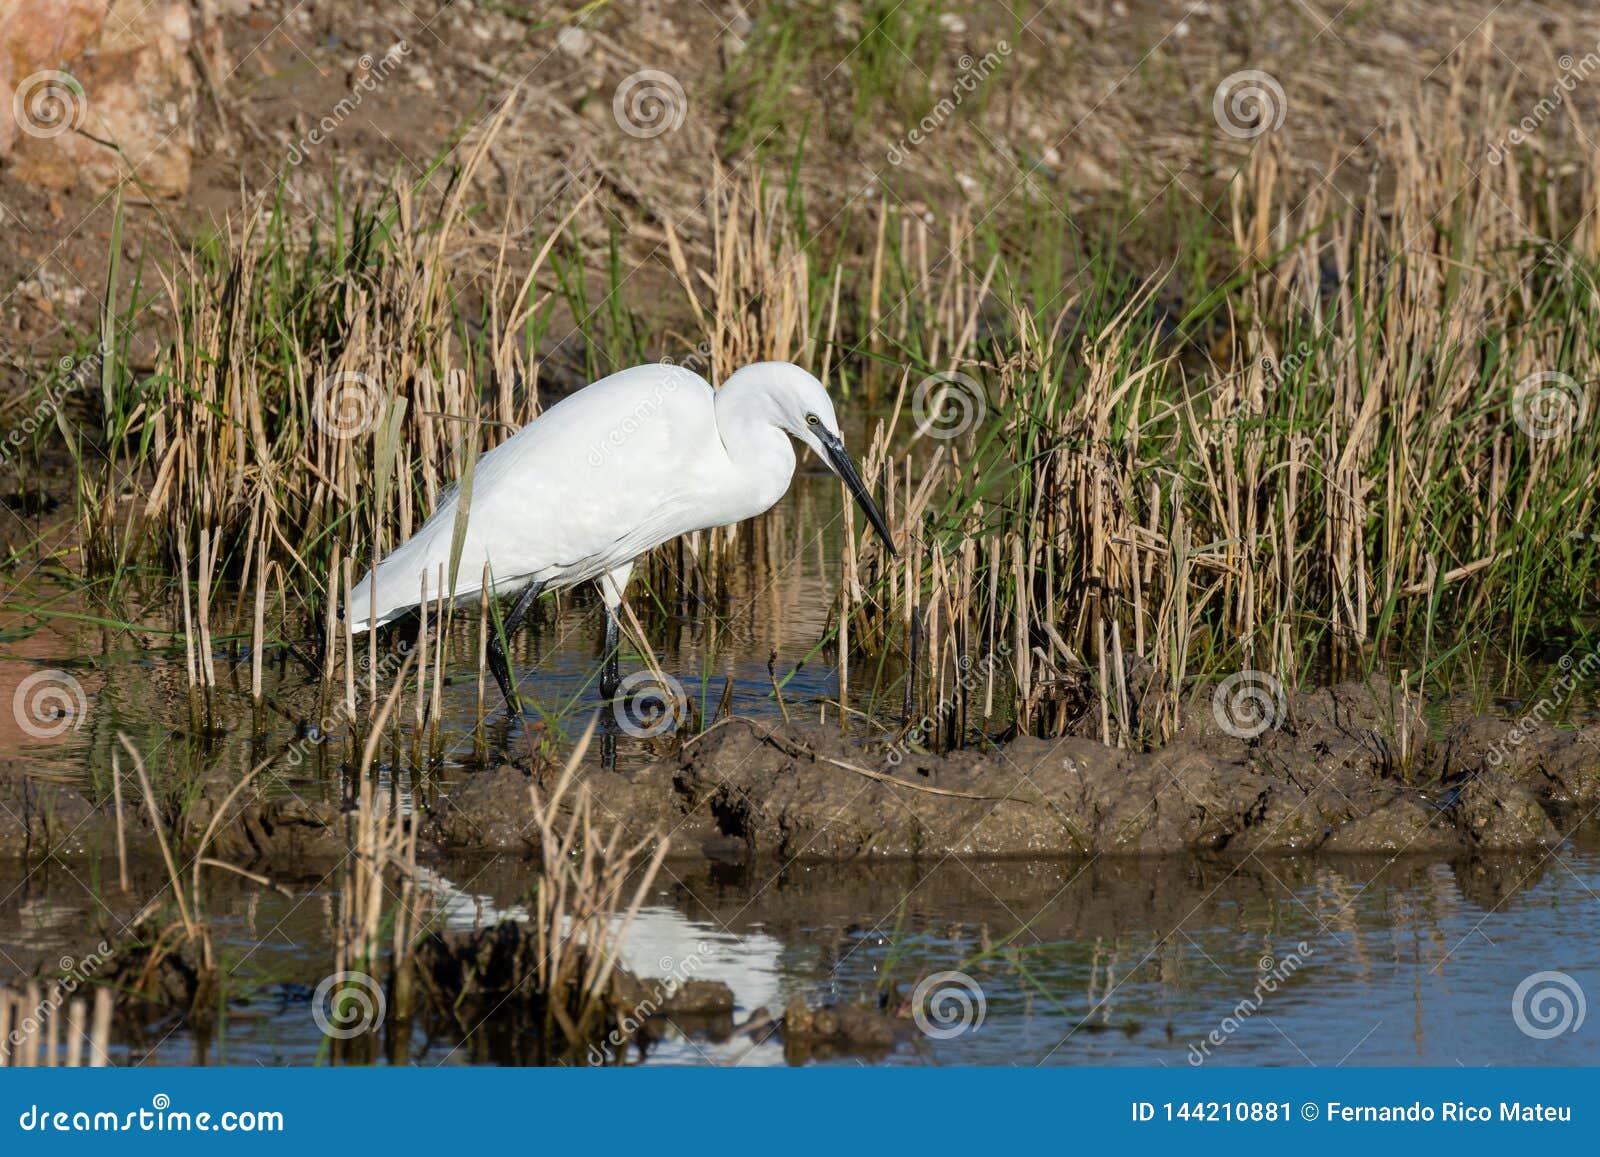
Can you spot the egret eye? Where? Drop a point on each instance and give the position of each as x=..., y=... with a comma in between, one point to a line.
x=812, y=420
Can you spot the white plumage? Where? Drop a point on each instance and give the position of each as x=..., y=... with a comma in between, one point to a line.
x=611, y=471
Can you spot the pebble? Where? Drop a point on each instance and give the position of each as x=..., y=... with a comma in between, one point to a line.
x=574, y=42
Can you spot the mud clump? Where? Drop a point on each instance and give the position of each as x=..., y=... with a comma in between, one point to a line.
x=1350, y=770
x=1558, y=767
x=489, y=811
x=840, y=1026
x=279, y=835
x=38, y=817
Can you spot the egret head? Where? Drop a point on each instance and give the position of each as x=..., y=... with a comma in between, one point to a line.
x=803, y=410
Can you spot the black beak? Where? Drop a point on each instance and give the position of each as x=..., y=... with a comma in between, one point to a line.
x=846, y=470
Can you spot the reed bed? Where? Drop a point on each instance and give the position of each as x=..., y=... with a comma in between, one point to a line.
x=1372, y=449
x=1324, y=436
x=579, y=919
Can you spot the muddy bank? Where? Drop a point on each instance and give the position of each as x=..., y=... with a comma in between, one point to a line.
x=1353, y=773
x=275, y=833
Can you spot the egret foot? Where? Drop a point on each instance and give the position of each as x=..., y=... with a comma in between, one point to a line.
x=496, y=649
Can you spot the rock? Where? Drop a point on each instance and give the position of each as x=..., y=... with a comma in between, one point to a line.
x=1401, y=826
x=797, y=1016
x=1476, y=745
x=1560, y=767
x=837, y=1029
x=42, y=33
x=1498, y=814
x=488, y=811
x=491, y=811
x=574, y=42
x=1568, y=770
x=104, y=90
x=656, y=997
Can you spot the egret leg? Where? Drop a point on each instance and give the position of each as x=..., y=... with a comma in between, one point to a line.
x=496, y=652
x=612, y=584
x=610, y=679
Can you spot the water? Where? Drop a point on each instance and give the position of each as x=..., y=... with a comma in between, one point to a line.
x=1116, y=962
x=1062, y=963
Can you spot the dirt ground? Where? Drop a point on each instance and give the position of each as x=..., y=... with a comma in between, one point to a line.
x=1107, y=103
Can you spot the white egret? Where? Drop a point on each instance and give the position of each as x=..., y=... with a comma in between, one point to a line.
x=621, y=466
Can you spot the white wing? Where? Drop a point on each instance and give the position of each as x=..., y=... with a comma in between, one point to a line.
x=597, y=479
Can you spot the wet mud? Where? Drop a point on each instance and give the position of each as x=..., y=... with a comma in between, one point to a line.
x=1354, y=772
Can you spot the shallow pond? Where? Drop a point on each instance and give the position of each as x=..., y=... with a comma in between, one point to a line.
x=1293, y=961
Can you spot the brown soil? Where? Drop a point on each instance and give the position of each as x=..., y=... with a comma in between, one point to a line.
x=1351, y=774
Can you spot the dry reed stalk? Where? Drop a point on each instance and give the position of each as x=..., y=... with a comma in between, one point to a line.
x=483, y=656
x=77, y=1031
x=52, y=1028
x=122, y=836
x=191, y=927
x=372, y=654
x=32, y=1001
x=330, y=628
x=442, y=618
x=188, y=616
x=100, y=1030
x=420, y=711
x=349, y=645
x=258, y=633
x=200, y=858
x=379, y=842
x=208, y=665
